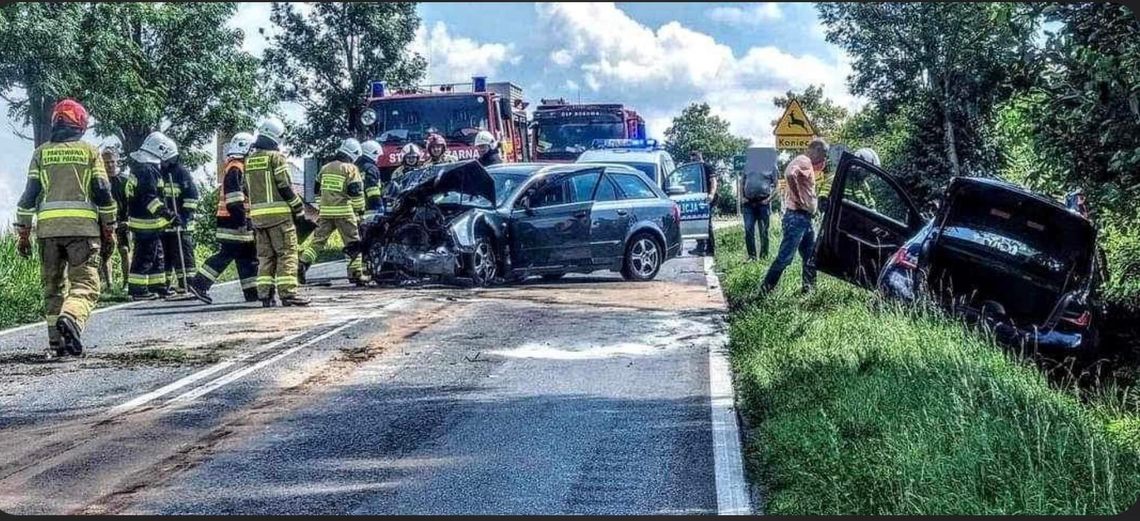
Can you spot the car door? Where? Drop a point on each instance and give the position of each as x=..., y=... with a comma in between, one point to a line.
x=694, y=202
x=609, y=221
x=867, y=218
x=551, y=221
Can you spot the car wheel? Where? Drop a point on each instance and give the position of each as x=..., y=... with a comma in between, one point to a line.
x=552, y=276
x=643, y=257
x=483, y=263
x=375, y=263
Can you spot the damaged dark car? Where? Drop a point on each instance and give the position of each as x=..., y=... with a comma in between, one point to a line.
x=1024, y=265
x=463, y=222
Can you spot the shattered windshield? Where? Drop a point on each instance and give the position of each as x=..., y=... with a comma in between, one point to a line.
x=506, y=184
x=409, y=120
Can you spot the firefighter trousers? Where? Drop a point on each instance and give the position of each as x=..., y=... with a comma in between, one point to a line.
x=118, y=246
x=146, y=265
x=69, y=271
x=349, y=235
x=243, y=255
x=177, y=270
x=276, y=260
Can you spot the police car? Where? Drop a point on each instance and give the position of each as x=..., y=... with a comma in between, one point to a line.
x=685, y=184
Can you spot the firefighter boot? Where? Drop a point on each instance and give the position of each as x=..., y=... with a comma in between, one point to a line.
x=198, y=292
x=295, y=300
x=69, y=332
x=302, y=269
x=270, y=301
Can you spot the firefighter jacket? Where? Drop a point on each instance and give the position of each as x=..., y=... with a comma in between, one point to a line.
x=179, y=192
x=373, y=185
x=233, y=208
x=147, y=216
x=67, y=191
x=272, y=201
x=341, y=189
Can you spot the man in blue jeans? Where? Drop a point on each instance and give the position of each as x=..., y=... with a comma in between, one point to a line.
x=800, y=205
x=757, y=214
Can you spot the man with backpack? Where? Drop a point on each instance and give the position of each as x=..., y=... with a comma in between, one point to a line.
x=757, y=187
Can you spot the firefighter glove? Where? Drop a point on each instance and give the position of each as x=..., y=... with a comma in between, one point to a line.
x=23, y=242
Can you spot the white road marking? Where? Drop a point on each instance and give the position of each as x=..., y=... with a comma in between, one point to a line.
x=231, y=377
x=731, y=487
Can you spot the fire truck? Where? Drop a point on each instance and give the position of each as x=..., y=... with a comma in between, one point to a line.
x=456, y=111
x=562, y=131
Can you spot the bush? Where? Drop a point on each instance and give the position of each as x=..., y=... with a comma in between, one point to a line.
x=21, y=295
x=859, y=406
x=725, y=198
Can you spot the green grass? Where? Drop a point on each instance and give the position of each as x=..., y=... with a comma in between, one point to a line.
x=859, y=406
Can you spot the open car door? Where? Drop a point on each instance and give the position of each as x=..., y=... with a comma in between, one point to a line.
x=867, y=218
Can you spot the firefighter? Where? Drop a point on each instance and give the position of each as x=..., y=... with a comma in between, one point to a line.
x=147, y=217
x=233, y=232
x=410, y=159
x=69, y=197
x=373, y=183
x=180, y=194
x=273, y=208
x=436, y=147
x=119, y=243
x=487, y=148
x=341, y=190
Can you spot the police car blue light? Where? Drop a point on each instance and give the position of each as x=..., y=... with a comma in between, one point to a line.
x=624, y=143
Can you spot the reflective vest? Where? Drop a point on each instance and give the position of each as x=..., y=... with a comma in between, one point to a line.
x=68, y=173
x=229, y=229
x=230, y=197
x=266, y=177
x=335, y=178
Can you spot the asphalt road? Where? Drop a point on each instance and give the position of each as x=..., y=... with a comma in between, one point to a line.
x=588, y=395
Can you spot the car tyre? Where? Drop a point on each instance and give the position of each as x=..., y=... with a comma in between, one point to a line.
x=643, y=257
x=483, y=262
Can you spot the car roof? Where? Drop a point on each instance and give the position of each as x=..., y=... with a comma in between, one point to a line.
x=621, y=155
x=547, y=168
x=997, y=184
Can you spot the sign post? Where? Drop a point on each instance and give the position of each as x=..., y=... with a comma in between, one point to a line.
x=794, y=130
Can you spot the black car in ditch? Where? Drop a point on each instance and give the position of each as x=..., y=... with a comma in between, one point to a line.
x=1023, y=264
x=511, y=221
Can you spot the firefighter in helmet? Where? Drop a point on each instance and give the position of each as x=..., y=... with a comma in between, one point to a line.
x=148, y=216
x=487, y=148
x=273, y=208
x=180, y=193
x=233, y=232
x=68, y=196
x=373, y=179
x=436, y=147
x=341, y=190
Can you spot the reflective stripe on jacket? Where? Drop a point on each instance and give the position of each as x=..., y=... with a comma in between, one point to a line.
x=67, y=192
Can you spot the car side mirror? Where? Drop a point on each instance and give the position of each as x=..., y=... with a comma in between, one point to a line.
x=676, y=190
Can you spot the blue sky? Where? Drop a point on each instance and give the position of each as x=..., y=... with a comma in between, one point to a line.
x=656, y=57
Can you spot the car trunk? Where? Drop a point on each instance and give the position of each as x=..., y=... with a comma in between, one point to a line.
x=1008, y=254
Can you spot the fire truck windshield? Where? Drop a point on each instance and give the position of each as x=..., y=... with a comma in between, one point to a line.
x=409, y=120
x=575, y=136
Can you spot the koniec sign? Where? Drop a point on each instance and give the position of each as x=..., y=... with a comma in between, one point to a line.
x=794, y=130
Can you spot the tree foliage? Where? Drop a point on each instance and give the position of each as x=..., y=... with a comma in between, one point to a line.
x=826, y=116
x=324, y=59
x=697, y=129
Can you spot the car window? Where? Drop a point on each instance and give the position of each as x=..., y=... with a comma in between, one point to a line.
x=691, y=176
x=668, y=163
x=582, y=186
x=634, y=187
x=606, y=190
x=871, y=191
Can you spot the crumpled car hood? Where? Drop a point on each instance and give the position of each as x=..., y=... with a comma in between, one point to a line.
x=465, y=177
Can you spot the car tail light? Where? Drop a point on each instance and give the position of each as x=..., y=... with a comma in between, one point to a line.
x=1080, y=319
x=904, y=259
x=676, y=213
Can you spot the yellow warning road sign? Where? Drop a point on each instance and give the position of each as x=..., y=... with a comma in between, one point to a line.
x=794, y=129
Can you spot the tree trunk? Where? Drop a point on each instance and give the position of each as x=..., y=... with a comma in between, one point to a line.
x=39, y=112
x=948, y=139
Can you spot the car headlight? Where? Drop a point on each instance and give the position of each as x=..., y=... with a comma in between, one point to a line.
x=368, y=117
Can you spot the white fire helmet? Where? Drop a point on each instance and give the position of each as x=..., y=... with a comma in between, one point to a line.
x=156, y=148
x=272, y=128
x=411, y=150
x=371, y=149
x=484, y=138
x=868, y=155
x=239, y=145
x=350, y=147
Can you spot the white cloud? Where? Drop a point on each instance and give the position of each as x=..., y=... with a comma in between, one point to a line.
x=455, y=59
x=755, y=14
x=662, y=70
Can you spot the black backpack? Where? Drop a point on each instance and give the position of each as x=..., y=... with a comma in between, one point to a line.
x=758, y=185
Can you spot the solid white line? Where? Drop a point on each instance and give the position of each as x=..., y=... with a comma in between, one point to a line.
x=731, y=487
x=231, y=377
x=187, y=380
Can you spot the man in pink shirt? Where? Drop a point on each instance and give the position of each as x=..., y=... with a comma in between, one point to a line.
x=800, y=205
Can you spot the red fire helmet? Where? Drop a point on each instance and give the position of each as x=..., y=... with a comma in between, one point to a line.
x=71, y=112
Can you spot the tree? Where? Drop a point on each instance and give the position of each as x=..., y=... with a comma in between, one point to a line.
x=825, y=114
x=323, y=60
x=40, y=55
x=171, y=67
x=697, y=129
x=957, y=60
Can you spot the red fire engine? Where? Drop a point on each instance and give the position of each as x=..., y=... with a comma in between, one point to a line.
x=456, y=111
x=562, y=131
